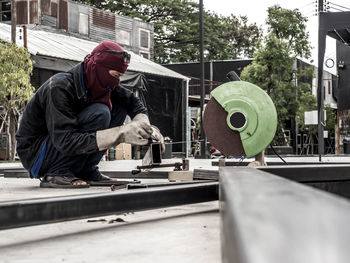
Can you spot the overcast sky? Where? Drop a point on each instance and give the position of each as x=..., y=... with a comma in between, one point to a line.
x=256, y=11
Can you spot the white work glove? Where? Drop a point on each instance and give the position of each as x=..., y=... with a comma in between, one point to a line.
x=136, y=132
x=157, y=136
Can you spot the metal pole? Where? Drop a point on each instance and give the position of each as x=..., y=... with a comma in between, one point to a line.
x=320, y=6
x=188, y=121
x=337, y=128
x=28, y=12
x=320, y=93
x=13, y=21
x=337, y=134
x=25, y=39
x=202, y=86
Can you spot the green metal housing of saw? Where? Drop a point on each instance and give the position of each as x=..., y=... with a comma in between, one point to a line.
x=258, y=109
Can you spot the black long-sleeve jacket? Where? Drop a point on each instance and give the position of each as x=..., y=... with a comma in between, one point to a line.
x=53, y=112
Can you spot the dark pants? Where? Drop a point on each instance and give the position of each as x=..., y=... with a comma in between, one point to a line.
x=95, y=117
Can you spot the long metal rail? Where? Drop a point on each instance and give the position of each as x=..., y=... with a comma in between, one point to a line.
x=266, y=218
x=299, y=173
x=22, y=213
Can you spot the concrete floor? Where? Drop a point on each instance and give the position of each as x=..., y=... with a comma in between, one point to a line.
x=178, y=234
x=189, y=233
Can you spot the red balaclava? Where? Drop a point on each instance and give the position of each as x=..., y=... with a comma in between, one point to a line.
x=99, y=83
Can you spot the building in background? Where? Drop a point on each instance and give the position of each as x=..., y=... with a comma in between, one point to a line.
x=90, y=22
x=61, y=33
x=343, y=93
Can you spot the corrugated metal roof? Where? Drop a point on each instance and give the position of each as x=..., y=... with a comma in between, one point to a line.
x=72, y=48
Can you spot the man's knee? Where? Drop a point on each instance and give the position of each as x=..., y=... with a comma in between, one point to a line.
x=96, y=116
x=102, y=116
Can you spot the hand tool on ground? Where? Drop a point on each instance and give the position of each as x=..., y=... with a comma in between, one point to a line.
x=117, y=186
x=240, y=119
x=165, y=184
x=183, y=166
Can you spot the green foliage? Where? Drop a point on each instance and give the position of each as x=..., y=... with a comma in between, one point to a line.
x=15, y=87
x=274, y=69
x=290, y=25
x=15, y=69
x=331, y=119
x=176, y=29
x=229, y=37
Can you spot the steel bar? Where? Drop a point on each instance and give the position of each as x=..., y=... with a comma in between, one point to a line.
x=160, y=165
x=230, y=163
x=341, y=188
x=138, y=186
x=272, y=163
x=16, y=173
x=141, y=175
x=202, y=174
x=331, y=178
x=311, y=173
x=266, y=218
x=299, y=173
x=22, y=213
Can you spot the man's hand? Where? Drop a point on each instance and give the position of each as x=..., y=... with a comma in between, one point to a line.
x=136, y=132
x=157, y=136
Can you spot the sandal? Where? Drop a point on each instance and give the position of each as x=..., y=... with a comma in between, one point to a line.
x=61, y=181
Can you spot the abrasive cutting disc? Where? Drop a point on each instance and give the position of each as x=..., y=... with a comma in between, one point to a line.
x=218, y=132
x=240, y=119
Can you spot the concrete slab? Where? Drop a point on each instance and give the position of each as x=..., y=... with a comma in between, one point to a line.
x=25, y=188
x=178, y=234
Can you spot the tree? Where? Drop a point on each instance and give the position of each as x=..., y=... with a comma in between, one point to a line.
x=274, y=70
x=331, y=117
x=15, y=88
x=176, y=29
x=241, y=36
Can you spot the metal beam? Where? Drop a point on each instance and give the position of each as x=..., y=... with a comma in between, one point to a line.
x=311, y=173
x=273, y=163
x=266, y=218
x=298, y=173
x=22, y=213
x=132, y=186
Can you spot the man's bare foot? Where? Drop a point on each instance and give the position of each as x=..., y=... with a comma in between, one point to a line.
x=79, y=182
x=63, y=181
